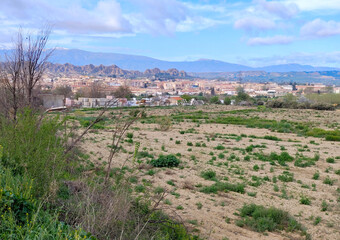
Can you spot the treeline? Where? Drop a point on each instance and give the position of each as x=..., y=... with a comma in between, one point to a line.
x=279, y=103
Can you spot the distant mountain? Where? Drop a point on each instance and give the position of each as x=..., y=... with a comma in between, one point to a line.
x=142, y=63
x=295, y=68
x=67, y=69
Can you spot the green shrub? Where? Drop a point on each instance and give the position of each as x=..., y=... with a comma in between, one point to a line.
x=316, y=175
x=23, y=217
x=286, y=177
x=225, y=187
x=220, y=147
x=328, y=181
x=165, y=161
x=209, y=175
x=262, y=219
x=273, y=138
x=303, y=161
x=330, y=160
x=305, y=200
x=37, y=151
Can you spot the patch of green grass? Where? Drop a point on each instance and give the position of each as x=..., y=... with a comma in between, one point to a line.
x=273, y=138
x=286, y=177
x=209, y=175
x=219, y=147
x=140, y=188
x=165, y=161
x=224, y=187
x=316, y=175
x=252, y=194
x=330, y=160
x=317, y=220
x=158, y=190
x=328, y=181
x=305, y=200
x=261, y=219
x=199, y=205
x=170, y=182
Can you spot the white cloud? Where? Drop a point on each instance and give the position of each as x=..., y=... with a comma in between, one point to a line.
x=254, y=23
x=207, y=7
x=281, y=9
x=324, y=59
x=320, y=28
x=270, y=40
x=105, y=17
x=169, y=16
x=312, y=5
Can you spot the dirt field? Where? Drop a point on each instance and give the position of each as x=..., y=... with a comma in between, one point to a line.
x=212, y=216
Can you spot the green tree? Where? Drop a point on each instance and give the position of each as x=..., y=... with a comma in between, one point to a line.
x=242, y=96
x=214, y=100
x=187, y=97
x=227, y=101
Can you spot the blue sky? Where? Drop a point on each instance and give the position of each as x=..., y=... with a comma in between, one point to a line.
x=254, y=32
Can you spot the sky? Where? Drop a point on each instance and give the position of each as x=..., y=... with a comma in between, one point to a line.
x=250, y=32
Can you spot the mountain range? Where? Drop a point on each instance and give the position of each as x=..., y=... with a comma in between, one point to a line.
x=67, y=69
x=142, y=63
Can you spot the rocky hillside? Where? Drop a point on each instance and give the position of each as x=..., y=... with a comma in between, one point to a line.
x=112, y=70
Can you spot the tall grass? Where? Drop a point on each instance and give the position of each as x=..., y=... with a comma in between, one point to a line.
x=32, y=146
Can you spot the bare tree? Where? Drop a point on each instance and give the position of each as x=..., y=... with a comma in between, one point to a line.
x=65, y=91
x=23, y=68
x=92, y=91
x=10, y=80
x=35, y=58
x=123, y=92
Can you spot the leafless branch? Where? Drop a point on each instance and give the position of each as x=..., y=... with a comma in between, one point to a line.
x=108, y=105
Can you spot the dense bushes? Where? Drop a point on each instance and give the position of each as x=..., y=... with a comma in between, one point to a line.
x=281, y=103
x=262, y=219
x=329, y=135
x=23, y=217
x=224, y=187
x=32, y=146
x=165, y=161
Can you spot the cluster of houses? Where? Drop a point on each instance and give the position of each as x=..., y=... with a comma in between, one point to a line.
x=55, y=101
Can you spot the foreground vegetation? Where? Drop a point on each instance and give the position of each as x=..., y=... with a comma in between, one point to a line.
x=44, y=193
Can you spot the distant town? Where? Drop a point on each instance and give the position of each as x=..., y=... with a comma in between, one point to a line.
x=95, y=91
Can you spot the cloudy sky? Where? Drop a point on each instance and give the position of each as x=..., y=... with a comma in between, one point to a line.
x=251, y=32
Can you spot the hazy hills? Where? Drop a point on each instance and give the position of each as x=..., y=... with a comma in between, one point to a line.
x=141, y=63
